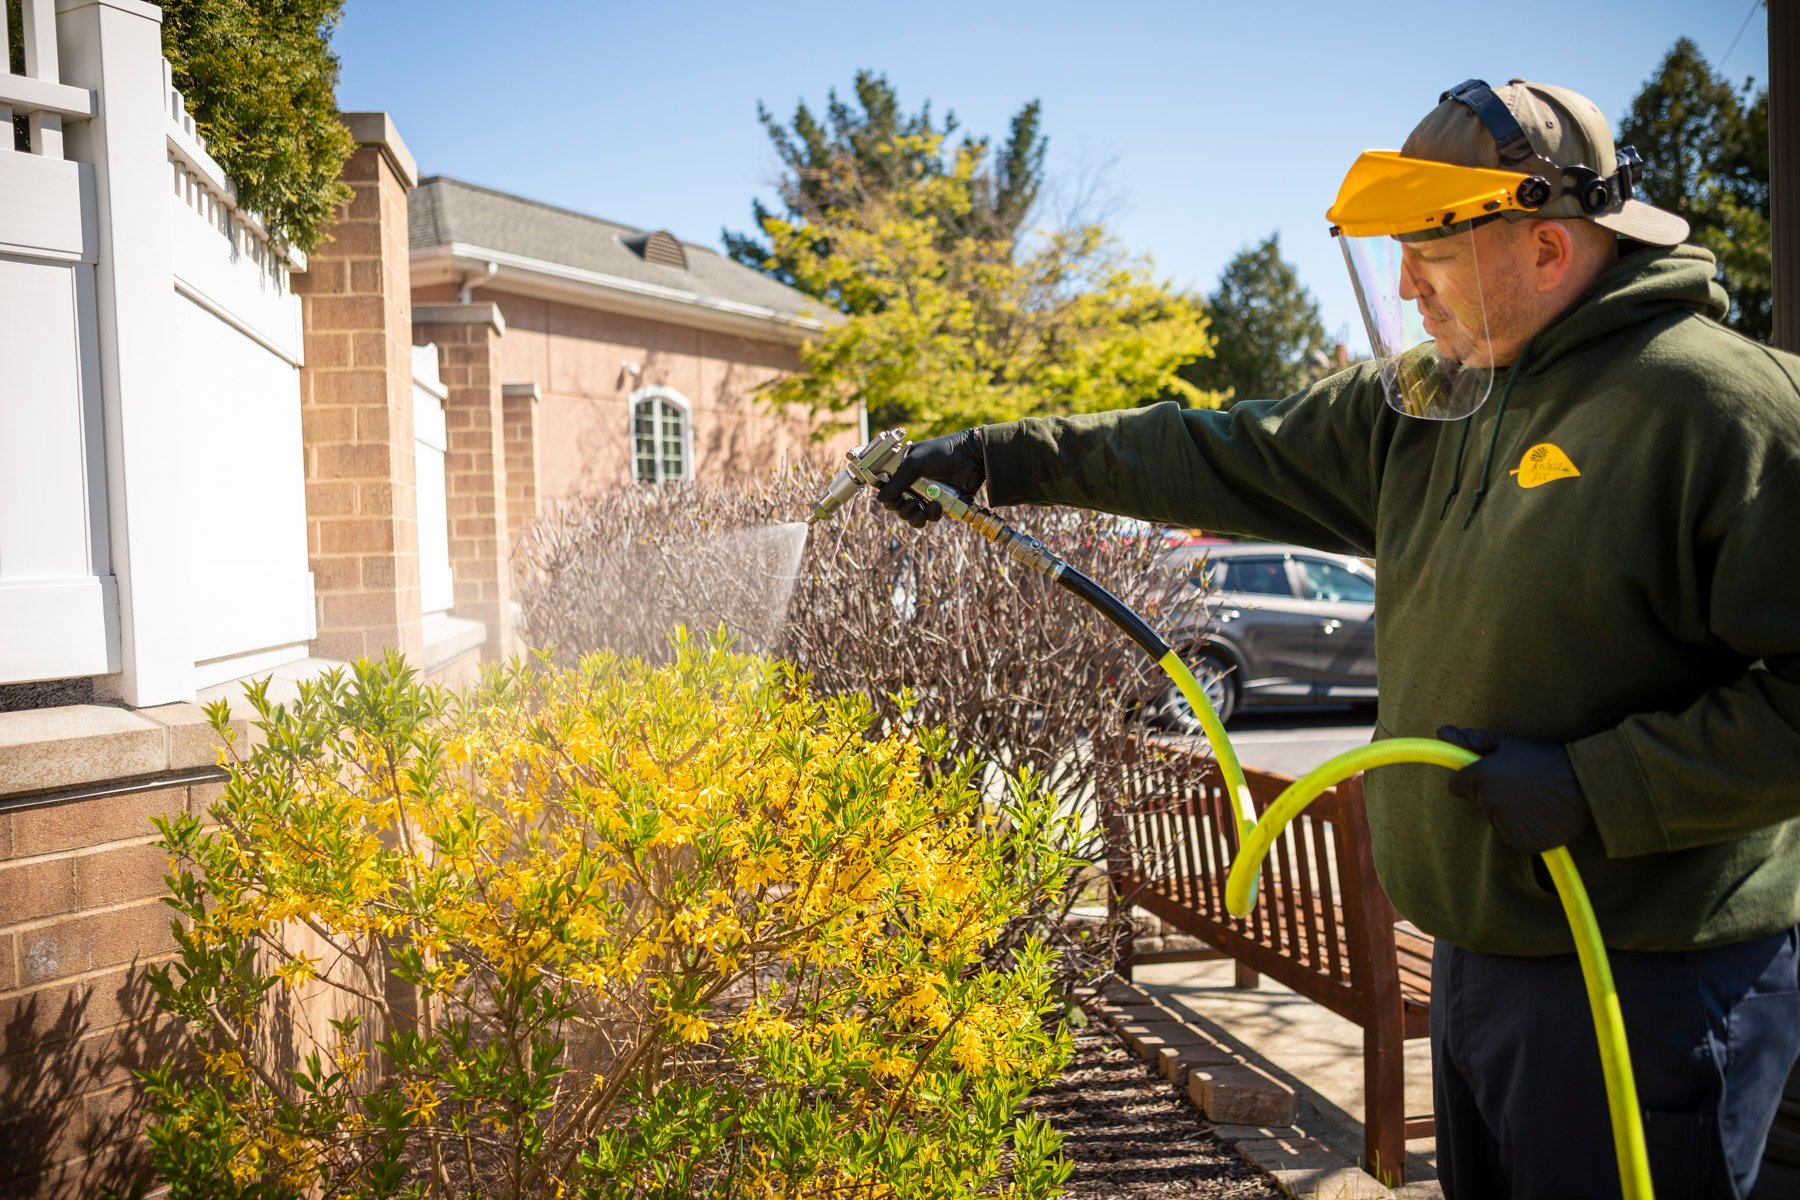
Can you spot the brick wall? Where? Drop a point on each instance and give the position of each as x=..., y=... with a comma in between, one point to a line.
x=80, y=918
x=356, y=409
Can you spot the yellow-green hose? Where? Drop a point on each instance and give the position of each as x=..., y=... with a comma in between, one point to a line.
x=1227, y=758
x=1609, y=1025
x=1256, y=837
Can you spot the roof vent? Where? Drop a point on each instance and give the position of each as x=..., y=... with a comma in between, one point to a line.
x=659, y=247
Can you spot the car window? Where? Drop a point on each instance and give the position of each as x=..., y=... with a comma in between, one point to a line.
x=1262, y=576
x=1200, y=572
x=1329, y=581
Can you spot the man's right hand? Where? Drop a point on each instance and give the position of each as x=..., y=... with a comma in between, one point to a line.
x=958, y=459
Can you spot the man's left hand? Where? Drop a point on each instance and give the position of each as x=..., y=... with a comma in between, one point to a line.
x=1525, y=787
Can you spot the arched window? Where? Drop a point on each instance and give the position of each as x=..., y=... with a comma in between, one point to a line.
x=661, y=443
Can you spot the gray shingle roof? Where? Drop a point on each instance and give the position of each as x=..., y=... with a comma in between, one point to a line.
x=441, y=211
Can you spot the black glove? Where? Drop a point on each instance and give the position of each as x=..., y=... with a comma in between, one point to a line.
x=958, y=459
x=1525, y=787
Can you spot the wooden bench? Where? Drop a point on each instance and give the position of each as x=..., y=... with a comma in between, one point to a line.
x=1322, y=925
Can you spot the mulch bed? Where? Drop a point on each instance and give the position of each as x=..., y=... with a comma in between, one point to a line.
x=1131, y=1136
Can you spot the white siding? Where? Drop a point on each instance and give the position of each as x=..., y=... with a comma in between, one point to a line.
x=152, y=490
x=238, y=346
x=58, y=597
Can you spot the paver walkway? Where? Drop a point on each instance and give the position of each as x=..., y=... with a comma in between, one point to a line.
x=1129, y=1135
x=1303, y=1044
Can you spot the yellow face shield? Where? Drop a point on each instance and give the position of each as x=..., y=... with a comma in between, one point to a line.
x=1387, y=194
x=1406, y=227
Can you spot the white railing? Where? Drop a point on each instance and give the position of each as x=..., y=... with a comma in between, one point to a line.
x=39, y=95
x=152, y=498
x=203, y=185
x=437, y=591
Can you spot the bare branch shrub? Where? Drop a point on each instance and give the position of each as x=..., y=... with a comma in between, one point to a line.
x=1025, y=675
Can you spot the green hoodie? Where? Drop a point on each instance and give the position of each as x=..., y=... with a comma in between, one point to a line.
x=1607, y=555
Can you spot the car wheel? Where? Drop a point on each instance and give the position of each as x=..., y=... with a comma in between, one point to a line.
x=1218, y=681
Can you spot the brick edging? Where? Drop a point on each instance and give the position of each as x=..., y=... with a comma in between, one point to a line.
x=1246, y=1107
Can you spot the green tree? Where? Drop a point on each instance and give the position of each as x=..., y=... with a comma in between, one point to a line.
x=1705, y=145
x=1269, y=342
x=864, y=151
x=950, y=326
x=260, y=80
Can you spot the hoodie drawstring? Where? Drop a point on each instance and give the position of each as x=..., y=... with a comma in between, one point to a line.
x=1462, y=444
x=1494, y=439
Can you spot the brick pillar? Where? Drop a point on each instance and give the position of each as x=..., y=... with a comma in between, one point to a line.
x=356, y=408
x=521, y=401
x=468, y=342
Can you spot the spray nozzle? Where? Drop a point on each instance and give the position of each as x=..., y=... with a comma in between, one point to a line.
x=870, y=465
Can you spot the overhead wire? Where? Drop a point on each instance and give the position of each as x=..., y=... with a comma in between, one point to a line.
x=1754, y=5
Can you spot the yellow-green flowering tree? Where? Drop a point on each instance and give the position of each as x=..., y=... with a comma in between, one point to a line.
x=948, y=331
x=616, y=931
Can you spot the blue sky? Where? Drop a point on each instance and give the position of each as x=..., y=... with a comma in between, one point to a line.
x=1206, y=126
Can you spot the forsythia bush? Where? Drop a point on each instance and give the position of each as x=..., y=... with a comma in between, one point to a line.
x=612, y=931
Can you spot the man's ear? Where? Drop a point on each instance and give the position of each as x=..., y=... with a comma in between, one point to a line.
x=1554, y=250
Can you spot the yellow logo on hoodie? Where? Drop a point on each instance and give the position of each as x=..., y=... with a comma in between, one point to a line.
x=1544, y=463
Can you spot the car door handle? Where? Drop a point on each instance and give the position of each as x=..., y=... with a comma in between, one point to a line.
x=1331, y=626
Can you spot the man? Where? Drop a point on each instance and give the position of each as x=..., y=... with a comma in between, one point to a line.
x=1584, y=496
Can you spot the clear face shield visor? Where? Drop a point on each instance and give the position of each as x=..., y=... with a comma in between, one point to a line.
x=1407, y=230
x=1427, y=322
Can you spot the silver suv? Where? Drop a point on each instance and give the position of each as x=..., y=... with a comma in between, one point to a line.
x=1280, y=625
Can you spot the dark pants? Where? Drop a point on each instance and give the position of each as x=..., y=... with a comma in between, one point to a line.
x=1521, y=1105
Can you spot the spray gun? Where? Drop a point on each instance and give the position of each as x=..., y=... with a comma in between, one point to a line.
x=871, y=465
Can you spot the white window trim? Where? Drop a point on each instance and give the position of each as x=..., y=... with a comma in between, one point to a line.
x=667, y=395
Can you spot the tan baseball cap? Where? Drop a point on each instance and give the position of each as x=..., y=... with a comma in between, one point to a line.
x=1565, y=127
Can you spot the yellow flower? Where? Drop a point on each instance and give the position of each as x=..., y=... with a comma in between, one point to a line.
x=688, y=1027
x=297, y=970
x=422, y=1100
x=969, y=1053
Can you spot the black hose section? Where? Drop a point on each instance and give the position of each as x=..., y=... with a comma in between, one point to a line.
x=1114, y=610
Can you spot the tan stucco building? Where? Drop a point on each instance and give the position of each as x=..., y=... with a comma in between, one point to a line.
x=640, y=355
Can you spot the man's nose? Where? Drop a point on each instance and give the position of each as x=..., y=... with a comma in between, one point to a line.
x=1411, y=286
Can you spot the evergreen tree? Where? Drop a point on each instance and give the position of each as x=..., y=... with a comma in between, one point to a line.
x=1269, y=341
x=260, y=79
x=1705, y=146
x=862, y=152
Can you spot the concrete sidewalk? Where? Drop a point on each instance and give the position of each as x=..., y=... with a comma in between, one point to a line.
x=1300, y=1043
